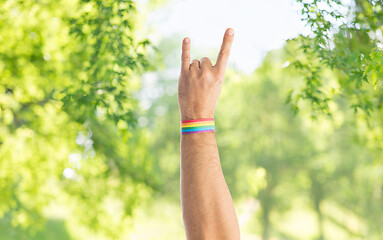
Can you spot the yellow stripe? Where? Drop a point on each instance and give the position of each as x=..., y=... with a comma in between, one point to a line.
x=197, y=124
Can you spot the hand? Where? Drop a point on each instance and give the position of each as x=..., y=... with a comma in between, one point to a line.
x=200, y=83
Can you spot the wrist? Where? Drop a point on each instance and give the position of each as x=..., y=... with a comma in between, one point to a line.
x=197, y=126
x=187, y=117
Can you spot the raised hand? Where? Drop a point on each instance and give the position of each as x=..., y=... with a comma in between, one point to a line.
x=200, y=82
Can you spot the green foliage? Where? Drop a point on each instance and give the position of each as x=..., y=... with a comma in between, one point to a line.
x=104, y=34
x=68, y=71
x=348, y=40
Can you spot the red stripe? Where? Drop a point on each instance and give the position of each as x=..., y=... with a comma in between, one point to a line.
x=198, y=120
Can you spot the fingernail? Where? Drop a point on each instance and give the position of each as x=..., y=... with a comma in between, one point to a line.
x=230, y=32
x=187, y=40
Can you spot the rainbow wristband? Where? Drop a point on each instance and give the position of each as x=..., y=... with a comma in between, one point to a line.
x=197, y=126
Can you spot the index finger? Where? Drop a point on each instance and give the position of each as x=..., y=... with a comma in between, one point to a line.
x=185, y=57
x=224, y=52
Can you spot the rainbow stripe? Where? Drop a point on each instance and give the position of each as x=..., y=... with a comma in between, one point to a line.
x=197, y=126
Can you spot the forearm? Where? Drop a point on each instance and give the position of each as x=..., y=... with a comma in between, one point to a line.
x=207, y=207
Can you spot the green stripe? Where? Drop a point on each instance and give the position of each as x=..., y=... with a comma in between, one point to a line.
x=199, y=127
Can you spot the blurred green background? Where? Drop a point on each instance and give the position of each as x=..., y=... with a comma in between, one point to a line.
x=89, y=124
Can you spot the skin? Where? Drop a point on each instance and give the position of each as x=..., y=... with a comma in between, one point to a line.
x=207, y=207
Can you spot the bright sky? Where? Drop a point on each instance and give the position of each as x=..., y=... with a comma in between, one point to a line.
x=259, y=25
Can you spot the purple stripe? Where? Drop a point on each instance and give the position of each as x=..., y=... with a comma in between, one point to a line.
x=199, y=131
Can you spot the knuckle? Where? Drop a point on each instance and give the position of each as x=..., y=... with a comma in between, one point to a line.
x=193, y=72
x=205, y=72
x=223, y=52
x=206, y=75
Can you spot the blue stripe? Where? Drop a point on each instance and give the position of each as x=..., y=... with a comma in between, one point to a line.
x=198, y=129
